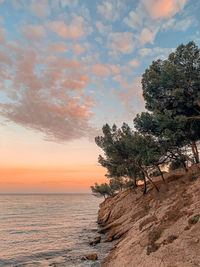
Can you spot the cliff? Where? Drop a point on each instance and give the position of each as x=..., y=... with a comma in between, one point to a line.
x=158, y=229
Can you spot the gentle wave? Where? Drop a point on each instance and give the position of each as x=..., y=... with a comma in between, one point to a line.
x=48, y=230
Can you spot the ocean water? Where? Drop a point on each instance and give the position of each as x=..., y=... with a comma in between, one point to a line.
x=48, y=230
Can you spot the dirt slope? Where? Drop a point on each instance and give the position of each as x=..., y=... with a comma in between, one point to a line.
x=159, y=230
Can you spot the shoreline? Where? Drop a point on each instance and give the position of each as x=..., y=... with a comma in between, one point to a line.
x=146, y=230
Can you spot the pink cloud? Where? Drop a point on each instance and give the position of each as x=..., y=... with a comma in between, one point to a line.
x=114, y=69
x=78, y=49
x=33, y=32
x=3, y=33
x=5, y=64
x=58, y=47
x=131, y=96
x=46, y=92
x=134, y=63
x=164, y=8
x=65, y=63
x=100, y=69
x=40, y=8
x=74, y=30
x=147, y=36
x=75, y=81
x=121, y=42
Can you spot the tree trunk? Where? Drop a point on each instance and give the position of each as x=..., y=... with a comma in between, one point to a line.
x=135, y=182
x=161, y=173
x=184, y=166
x=195, y=151
x=152, y=182
x=145, y=184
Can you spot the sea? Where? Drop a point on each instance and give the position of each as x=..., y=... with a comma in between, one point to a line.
x=49, y=230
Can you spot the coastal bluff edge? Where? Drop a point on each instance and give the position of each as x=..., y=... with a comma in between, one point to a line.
x=158, y=229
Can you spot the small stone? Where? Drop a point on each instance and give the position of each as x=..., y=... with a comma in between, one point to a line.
x=92, y=257
x=95, y=241
x=94, y=230
x=83, y=258
x=109, y=239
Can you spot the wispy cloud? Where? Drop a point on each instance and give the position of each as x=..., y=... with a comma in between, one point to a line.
x=74, y=30
x=45, y=91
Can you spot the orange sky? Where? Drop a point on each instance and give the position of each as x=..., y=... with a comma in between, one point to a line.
x=51, y=180
x=29, y=164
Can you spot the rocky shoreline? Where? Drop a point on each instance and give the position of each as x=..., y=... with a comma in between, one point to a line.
x=159, y=229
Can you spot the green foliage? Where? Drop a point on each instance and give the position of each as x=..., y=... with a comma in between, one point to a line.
x=105, y=190
x=116, y=184
x=152, y=248
x=171, y=91
x=165, y=132
x=175, y=165
x=156, y=173
x=193, y=177
x=127, y=153
x=118, y=150
x=170, y=239
x=194, y=219
x=101, y=190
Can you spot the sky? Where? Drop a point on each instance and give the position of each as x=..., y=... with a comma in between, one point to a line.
x=67, y=68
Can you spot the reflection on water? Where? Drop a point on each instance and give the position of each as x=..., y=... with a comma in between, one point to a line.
x=48, y=230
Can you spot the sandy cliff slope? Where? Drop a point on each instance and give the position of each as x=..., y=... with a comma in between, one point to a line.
x=158, y=230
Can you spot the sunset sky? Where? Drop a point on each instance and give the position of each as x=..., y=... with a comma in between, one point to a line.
x=68, y=67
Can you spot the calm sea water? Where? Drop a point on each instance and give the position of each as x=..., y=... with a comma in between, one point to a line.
x=48, y=230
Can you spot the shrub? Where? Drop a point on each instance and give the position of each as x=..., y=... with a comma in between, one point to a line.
x=194, y=219
x=152, y=248
x=193, y=177
x=101, y=190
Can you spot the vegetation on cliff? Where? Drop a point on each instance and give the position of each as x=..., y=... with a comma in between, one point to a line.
x=167, y=133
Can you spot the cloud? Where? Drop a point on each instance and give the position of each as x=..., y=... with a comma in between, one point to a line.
x=131, y=96
x=100, y=69
x=156, y=52
x=58, y=47
x=114, y=69
x=40, y=8
x=184, y=24
x=3, y=33
x=33, y=32
x=110, y=10
x=163, y=8
x=134, y=63
x=134, y=20
x=78, y=49
x=75, y=81
x=150, y=16
x=46, y=92
x=74, y=30
x=121, y=42
x=103, y=29
x=180, y=24
x=147, y=36
x=69, y=3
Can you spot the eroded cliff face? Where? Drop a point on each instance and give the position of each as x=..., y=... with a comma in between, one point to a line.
x=159, y=229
